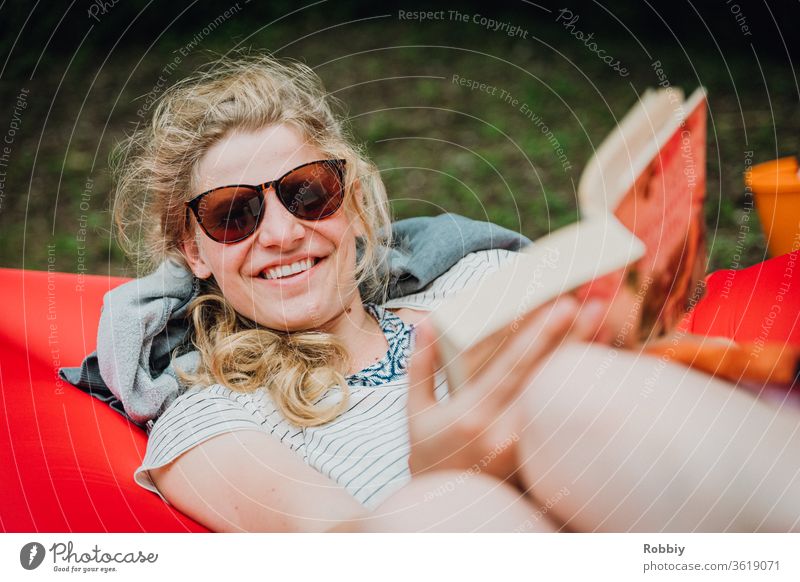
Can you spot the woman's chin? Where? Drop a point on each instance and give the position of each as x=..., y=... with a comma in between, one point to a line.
x=302, y=317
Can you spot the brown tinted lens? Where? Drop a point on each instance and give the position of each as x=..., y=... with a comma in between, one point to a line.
x=230, y=214
x=314, y=191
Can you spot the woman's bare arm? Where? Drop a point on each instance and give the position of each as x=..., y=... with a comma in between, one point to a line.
x=247, y=481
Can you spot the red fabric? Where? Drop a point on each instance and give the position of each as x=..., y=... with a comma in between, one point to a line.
x=66, y=459
x=757, y=304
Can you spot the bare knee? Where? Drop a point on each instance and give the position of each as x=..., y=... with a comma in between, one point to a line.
x=580, y=379
x=606, y=425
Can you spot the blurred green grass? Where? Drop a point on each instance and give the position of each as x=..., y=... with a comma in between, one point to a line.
x=440, y=147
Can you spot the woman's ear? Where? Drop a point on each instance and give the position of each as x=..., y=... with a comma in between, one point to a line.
x=194, y=256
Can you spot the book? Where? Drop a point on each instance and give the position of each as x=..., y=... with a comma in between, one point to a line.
x=639, y=245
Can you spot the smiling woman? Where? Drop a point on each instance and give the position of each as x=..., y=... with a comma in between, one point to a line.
x=247, y=122
x=295, y=418
x=286, y=274
x=316, y=406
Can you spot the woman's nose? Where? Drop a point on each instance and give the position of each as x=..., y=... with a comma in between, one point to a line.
x=278, y=226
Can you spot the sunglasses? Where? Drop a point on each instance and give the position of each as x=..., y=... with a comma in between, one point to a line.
x=229, y=214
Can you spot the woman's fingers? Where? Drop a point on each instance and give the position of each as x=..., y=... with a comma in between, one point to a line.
x=502, y=378
x=589, y=320
x=504, y=375
x=422, y=369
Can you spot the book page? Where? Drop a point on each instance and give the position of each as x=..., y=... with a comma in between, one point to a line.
x=553, y=265
x=609, y=174
x=663, y=207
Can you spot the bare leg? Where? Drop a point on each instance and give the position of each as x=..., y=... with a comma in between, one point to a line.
x=636, y=443
x=449, y=501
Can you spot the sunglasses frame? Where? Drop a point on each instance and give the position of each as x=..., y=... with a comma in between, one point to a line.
x=193, y=205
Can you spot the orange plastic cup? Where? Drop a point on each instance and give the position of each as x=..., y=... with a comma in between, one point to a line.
x=776, y=188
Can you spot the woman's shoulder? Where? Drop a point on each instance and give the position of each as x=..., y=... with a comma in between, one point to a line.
x=470, y=269
x=198, y=405
x=201, y=413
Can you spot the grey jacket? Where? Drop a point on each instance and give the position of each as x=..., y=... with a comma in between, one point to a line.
x=143, y=324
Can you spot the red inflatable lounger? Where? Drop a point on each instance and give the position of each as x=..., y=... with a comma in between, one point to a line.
x=757, y=304
x=66, y=458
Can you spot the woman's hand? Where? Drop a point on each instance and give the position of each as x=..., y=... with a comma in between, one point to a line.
x=475, y=429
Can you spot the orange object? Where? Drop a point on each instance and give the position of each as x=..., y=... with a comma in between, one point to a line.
x=760, y=363
x=776, y=187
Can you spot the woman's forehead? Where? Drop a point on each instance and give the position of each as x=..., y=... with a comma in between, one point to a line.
x=253, y=157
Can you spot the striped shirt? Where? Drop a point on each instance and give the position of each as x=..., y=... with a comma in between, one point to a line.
x=365, y=449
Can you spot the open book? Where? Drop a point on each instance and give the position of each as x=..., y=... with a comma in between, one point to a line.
x=640, y=243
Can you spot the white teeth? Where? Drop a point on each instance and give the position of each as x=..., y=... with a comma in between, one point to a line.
x=286, y=270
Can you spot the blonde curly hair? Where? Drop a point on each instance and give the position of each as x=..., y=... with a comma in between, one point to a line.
x=154, y=171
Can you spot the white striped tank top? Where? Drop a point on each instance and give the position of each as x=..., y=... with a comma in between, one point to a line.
x=365, y=449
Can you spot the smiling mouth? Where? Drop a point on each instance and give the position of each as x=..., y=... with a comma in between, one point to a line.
x=289, y=271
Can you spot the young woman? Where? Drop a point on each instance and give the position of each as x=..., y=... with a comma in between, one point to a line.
x=310, y=413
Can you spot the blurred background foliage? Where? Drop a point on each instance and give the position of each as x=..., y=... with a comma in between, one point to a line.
x=91, y=70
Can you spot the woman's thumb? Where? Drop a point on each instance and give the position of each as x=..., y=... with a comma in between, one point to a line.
x=422, y=369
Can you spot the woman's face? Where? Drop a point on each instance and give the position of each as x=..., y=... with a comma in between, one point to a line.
x=312, y=299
